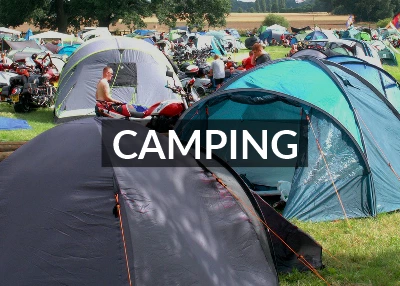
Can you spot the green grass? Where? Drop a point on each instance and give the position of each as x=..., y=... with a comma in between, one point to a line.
x=366, y=253
x=40, y=120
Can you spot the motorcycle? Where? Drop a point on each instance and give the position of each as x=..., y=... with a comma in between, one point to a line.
x=32, y=87
x=163, y=115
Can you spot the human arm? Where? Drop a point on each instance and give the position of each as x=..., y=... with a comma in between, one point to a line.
x=253, y=60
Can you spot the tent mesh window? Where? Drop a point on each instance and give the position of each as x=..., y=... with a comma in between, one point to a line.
x=125, y=74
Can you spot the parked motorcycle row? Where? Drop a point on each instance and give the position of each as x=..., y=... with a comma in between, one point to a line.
x=32, y=83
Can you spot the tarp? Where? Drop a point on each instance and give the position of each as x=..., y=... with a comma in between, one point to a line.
x=13, y=124
x=9, y=31
x=19, y=45
x=56, y=35
x=28, y=34
x=300, y=30
x=69, y=49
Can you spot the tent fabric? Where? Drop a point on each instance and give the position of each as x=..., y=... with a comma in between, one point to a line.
x=62, y=230
x=19, y=45
x=28, y=34
x=358, y=142
x=79, y=77
x=249, y=42
x=56, y=35
x=379, y=78
x=299, y=30
x=320, y=35
x=385, y=53
x=13, y=124
x=309, y=53
x=9, y=31
x=364, y=36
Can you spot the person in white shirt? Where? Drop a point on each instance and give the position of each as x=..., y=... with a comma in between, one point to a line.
x=217, y=71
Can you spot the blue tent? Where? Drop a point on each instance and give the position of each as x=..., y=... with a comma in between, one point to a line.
x=353, y=135
x=143, y=32
x=28, y=34
x=234, y=33
x=266, y=35
x=379, y=78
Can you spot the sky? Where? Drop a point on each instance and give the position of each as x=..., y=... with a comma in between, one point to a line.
x=247, y=0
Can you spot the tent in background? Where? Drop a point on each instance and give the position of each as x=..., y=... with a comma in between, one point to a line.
x=321, y=35
x=378, y=77
x=28, y=34
x=56, y=35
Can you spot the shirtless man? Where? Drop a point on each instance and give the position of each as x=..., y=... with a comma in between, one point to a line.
x=103, y=88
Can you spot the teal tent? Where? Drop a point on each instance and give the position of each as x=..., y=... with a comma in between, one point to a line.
x=353, y=134
x=379, y=78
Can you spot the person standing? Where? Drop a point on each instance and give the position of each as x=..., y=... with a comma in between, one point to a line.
x=259, y=55
x=217, y=71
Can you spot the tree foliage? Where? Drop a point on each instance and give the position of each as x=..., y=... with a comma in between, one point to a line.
x=364, y=10
x=272, y=19
x=60, y=14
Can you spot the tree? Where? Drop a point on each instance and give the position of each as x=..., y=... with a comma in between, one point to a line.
x=59, y=14
x=364, y=10
x=263, y=6
x=258, y=6
x=272, y=19
x=240, y=10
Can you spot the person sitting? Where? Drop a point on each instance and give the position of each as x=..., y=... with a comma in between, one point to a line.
x=103, y=87
x=246, y=63
x=282, y=39
x=5, y=60
x=293, y=50
x=260, y=56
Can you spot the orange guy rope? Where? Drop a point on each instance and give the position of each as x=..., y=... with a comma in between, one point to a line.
x=300, y=257
x=123, y=239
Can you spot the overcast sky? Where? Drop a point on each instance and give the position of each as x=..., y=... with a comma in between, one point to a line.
x=247, y=0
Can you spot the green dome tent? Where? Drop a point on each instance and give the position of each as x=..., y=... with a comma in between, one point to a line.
x=353, y=151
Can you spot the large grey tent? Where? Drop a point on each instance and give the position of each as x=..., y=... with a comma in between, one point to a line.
x=353, y=134
x=66, y=220
x=139, y=75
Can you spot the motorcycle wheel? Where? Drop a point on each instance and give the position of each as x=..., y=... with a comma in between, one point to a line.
x=22, y=107
x=201, y=91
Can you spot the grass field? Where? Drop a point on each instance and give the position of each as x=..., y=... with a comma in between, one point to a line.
x=365, y=253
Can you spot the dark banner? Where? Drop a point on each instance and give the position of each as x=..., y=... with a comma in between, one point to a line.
x=239, y=143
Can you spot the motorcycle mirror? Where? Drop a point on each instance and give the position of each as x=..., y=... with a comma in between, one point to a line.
x=170, y=73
